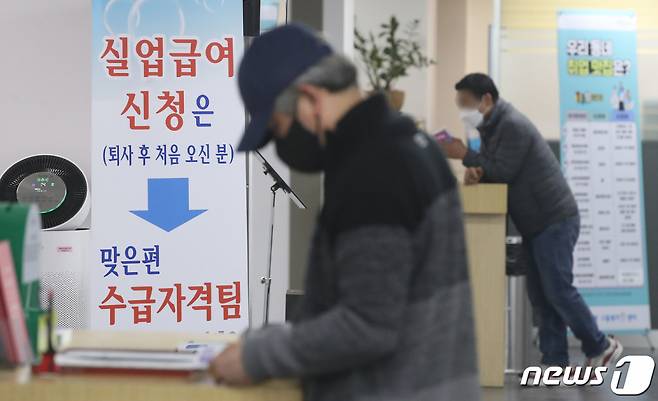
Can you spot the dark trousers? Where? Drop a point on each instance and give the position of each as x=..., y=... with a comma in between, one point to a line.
x=554, y=297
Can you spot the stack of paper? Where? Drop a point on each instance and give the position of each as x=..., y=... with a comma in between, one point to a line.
x=143, y=351
x=139, y=360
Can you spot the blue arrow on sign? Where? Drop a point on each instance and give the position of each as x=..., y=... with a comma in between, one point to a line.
x=168, y=203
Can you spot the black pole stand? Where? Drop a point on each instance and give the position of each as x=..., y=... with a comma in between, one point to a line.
x=279, y=183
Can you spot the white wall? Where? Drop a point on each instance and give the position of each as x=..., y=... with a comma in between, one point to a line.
x=369, y=14
x=45, y=108
x=46, y=80
x=338, y=25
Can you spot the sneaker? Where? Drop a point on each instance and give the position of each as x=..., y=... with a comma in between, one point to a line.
x=609, y=357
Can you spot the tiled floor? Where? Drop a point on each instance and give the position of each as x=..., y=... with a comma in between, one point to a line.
x=514, y=392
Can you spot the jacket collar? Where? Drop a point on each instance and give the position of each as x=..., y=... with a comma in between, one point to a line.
x=358, y=125
x=490, y=122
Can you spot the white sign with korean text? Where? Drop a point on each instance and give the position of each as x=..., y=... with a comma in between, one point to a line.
x=169, y=216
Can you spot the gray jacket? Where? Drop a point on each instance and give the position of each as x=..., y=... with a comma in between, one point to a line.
x=387, y=314
x=514, y=152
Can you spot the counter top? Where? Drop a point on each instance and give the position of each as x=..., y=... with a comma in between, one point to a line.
x=125, y=388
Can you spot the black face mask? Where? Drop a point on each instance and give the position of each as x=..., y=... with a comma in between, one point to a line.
x=301, y=150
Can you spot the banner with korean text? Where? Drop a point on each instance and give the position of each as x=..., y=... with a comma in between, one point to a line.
x=169, y=214
x=602, y=159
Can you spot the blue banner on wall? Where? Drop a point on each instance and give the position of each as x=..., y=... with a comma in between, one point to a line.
x=602, y=160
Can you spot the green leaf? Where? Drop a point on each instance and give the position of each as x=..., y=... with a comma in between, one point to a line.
x=388, y=54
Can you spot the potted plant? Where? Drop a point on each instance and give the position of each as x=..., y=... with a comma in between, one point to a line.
x=388, y=56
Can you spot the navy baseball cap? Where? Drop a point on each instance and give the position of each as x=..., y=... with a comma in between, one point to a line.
x=272, y=63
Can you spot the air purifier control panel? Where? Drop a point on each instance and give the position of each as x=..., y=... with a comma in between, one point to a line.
x=45, y=189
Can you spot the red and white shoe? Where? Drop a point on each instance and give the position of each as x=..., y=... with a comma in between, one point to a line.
x=609, y=357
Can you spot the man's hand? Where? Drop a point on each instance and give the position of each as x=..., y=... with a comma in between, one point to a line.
x=454, y=149
x=473, y=175
x=228, y=368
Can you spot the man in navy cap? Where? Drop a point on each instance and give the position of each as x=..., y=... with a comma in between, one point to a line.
x=387, y=313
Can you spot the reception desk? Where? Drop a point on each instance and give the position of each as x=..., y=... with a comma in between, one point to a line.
x=97, y=387
x=485, y=210
x=121, y=388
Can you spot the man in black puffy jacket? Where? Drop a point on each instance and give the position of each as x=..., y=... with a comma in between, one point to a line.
x=543, y=208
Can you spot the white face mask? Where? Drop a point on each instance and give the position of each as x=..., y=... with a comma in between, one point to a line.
x=471, y=117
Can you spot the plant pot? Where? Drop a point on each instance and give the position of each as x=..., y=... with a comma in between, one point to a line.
x=395, y=98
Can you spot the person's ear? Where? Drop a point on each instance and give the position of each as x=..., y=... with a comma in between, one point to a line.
x=487, y=102
x=313, y=93
x=280, y=124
